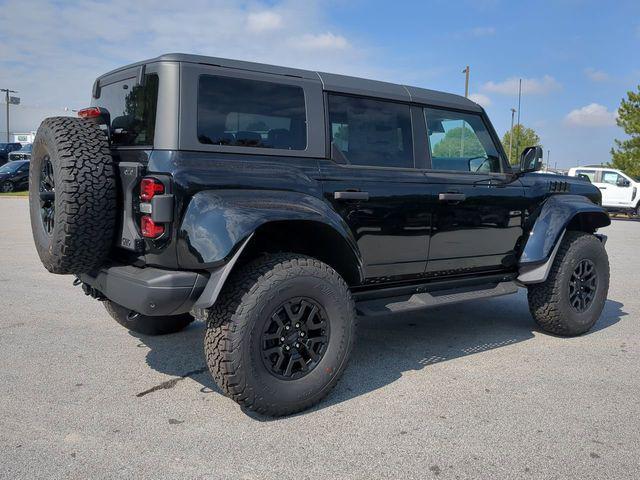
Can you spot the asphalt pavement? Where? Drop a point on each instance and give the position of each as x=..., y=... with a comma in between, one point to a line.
x=472, y=391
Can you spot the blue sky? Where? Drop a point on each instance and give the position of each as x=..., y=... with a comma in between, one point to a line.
x=577, y=58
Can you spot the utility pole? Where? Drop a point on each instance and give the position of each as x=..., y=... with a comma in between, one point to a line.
x=519, y=103
x=513, y=112
x=466, y=71
x=8, y=99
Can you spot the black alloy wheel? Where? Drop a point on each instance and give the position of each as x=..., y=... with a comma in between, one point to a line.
x=47, y=196
x=583, y=285
x=295, y=338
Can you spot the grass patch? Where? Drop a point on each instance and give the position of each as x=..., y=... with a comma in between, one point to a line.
x=15, y=194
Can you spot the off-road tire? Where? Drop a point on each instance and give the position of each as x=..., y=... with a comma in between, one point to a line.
x=549, y=301
x=84, y=221
x=147, y=325
x=236, y=322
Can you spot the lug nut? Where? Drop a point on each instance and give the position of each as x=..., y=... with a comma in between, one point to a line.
x=297, y=345
x=287, y=327
x=302, y=334
x=282, y=339
x=287, y=347
x=297, y=325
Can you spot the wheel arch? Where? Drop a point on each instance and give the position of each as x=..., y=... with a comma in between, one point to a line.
x=557, y=215
x=224, y=229
x=308, y=237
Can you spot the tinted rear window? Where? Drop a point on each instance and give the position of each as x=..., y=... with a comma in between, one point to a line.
x=371, y=132
x=132, y=109
x=249, y=113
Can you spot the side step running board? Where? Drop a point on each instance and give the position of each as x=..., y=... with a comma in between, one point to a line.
x=434, y=299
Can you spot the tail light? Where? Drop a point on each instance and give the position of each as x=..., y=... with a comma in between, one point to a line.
x=156, y=207
x=149, y=228
x=150, y=187
x=91, y=112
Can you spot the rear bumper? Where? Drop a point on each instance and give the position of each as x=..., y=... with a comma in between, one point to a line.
x=149, y=291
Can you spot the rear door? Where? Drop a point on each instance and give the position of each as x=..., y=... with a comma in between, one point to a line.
x=373, y=183
x=477, y=205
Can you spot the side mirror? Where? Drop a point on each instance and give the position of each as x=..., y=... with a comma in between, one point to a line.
x=531, y=159
x=623, y=182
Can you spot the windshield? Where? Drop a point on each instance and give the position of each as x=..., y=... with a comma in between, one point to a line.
x=11, y=167
x=26, y=148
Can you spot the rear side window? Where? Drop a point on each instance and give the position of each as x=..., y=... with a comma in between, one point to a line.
x=590, y=174
x=460, y=141
x=249, y=113
x=132, y=110
x=371, y=132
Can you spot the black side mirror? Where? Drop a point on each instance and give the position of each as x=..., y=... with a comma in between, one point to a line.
x=531, y=159
x=623, y=182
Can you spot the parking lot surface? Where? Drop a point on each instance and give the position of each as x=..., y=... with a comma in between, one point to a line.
x=472, y=391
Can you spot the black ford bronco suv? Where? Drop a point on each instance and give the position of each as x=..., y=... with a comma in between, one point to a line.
x=276, y=204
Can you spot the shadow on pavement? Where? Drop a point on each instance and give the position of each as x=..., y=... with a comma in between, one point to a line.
x=386, y=346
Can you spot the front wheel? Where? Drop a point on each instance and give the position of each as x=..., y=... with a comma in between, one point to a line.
x=7, y=187
x=280, y=334
x=572, y=298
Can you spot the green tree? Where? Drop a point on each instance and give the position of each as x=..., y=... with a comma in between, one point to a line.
x=626, y=155
x=458, y=142
x=522, y=137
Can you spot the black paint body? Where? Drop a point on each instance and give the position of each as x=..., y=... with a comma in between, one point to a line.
x=403, y=232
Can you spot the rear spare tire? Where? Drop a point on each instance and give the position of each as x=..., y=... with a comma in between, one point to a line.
x=72, y=195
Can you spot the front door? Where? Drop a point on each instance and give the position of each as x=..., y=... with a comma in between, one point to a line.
x=478, y=207
x=372, y=182
x=616, y=192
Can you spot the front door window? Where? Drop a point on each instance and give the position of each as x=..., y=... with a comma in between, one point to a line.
x=460, y=142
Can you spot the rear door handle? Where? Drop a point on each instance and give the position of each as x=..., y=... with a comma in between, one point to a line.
x=451, y=197
x=348, y=195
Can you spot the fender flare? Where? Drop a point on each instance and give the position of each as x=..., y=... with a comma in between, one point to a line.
x=557, y=213
x=218, y=224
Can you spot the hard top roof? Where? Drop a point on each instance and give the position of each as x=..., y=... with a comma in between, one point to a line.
x=330, y=81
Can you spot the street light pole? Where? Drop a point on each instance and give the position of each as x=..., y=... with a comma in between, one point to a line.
x=466, y=71
x=513, y=112
x=6, y=97
x=548, y=162
x=519, y=128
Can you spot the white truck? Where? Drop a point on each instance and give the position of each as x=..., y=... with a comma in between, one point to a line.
x=619, y=191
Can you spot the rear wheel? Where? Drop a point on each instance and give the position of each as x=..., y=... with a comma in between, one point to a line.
x=279, y=336
x=572, y=298
x=144, y=324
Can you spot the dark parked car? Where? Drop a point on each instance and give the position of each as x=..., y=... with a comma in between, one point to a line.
x=273, y=203
x=5, y=149
x=14, y=176
x=24, y=153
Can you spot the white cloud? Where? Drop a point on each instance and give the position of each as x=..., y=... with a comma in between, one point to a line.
x=263, y=21
x=323, y=41
x=592, y=115
x=480, y=99
x=482, y=31
x=530, y=86
x=596, y=75
x=54, y=62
